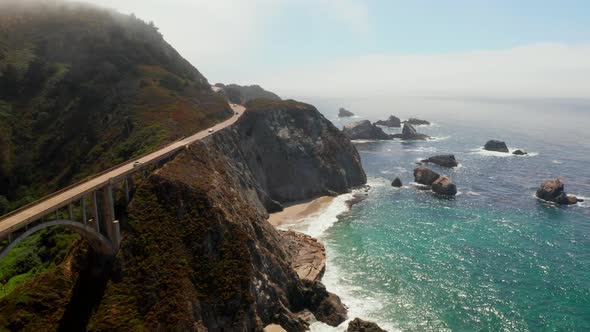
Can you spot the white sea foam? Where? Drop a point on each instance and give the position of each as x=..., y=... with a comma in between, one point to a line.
x=422, y=149
x=557, y=162
x=473, y=193
x=486, y=153
x=361, y=141
x=438, y=139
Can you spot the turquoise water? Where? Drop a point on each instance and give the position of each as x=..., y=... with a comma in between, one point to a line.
x=492, y=259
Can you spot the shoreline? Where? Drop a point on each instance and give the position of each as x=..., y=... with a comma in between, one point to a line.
x=297, y=211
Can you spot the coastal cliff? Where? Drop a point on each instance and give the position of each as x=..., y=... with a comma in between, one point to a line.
x=197, y=252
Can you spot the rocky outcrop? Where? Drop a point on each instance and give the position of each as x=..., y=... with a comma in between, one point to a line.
x=287, y=151
x=364, y=130
x=397, y=183
x=325, y=306
x=444, y=186
x=417, y=122
x=344, y=113
x=426, y=176
x=239, y=94
x=494, y=145
x=392, y=121
x=553, y=191
x=308, y=255
x=519, y=153
x=447, y=160
x=409, y=133
x=359, y=325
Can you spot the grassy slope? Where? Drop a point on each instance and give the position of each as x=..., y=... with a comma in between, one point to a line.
x=83, y=89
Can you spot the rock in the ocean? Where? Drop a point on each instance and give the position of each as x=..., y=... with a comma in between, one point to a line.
x=444, y=186
x=553, y=191
x=409, y=133
x=445, y=160
x=417, y=122
x=359, y=325
x=364, y=130
x=425, y=175
x=519, y=153
x=494, y=145
x=393, y=121
x=344, y=113
x=325, y=306
x=397, y=183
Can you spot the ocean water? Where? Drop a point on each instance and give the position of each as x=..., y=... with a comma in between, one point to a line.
x=492, y=259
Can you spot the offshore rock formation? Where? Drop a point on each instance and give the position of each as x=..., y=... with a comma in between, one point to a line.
x=446, y=160
x=495, y=145
x=444, y=186
x=409, y=133
x=344, y=113
x=519, y=153
x=359, y=325
x=364, y=130
x=426, y=176
x=392, y=121
x=441, y=185
x=553, y=191
x=197, y=251
x=397, y=183
x=417, y=122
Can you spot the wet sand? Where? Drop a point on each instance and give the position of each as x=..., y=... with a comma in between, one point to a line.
x=300, y=210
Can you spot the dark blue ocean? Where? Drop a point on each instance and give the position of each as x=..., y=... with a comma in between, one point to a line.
x=492, y=259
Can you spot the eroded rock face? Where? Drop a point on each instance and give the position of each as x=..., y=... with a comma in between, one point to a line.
x=409, y=133
x=553, y=191
x=425, y=175
x=308, y=255
x=359, y=325
x=392, y=121
x=447, y=160
x=444, y=186
x=494, y=145
x=417, y=122
x=344, y=113
x=287, y=151
x=364, y=130
x=397, y=183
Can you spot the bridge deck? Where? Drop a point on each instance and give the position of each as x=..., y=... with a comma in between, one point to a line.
x=32, y=212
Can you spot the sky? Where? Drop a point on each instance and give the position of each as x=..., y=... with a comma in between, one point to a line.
x=379, y=47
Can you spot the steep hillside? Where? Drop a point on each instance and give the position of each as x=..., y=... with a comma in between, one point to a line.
x=197, y=252
x=83, y=89
x=239, y=94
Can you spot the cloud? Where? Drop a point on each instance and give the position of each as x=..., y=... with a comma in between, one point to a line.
x=537, y=70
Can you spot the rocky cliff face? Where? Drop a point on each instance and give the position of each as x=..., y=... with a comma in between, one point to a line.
x=288, y=151
x=197, y=253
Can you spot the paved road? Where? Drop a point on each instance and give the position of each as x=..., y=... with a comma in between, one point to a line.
x=74, y=193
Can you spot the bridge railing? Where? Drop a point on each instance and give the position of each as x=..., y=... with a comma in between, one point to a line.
x=89, y=178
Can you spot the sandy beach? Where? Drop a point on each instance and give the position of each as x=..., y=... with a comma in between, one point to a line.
x=300, y=210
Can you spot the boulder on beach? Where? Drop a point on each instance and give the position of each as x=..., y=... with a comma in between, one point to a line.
x=364, y=130
x=519, y=153
x=495, y=145
x=409, y=133
x=417, y=122
x=359, y=325
x=397, y=183
x=445, y=160
x=444, y=186
x=392, y=121
x=553, y=191
x=344, y=113
x=425, y=175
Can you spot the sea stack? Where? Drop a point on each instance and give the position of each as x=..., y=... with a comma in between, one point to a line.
x=392, y=121
x=417, y=122
x=553, y=191
x=446, y=160
x=364, y=130
x=441, y=185
x=344, y=113
x=495, y=145
x=397, y=183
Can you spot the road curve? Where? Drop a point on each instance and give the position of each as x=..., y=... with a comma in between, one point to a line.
x=44, y=206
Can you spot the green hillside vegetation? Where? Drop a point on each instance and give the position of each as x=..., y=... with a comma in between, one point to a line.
x=239, y=94
x=83, y=89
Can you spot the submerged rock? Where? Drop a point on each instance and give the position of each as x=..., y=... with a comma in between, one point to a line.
x=446, y=160
x=359, y=325
x=519, y=153
x=364, y=130
x=425, y=175
x=344, y=113
x=417, y=122
x=444, y=186
x=397, y=183
x=494, y=145
x=553, y=191
x=392, y=121
x=409, y=133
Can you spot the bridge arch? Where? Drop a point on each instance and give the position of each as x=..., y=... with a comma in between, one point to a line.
x=99, y=242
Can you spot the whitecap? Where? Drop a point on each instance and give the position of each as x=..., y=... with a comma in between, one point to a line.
x=486, y=153
x=473, y=193
x=557, y=162
x=360, y=141
x=438, y=139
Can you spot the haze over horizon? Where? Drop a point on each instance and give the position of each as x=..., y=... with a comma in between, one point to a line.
x=329, y=48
